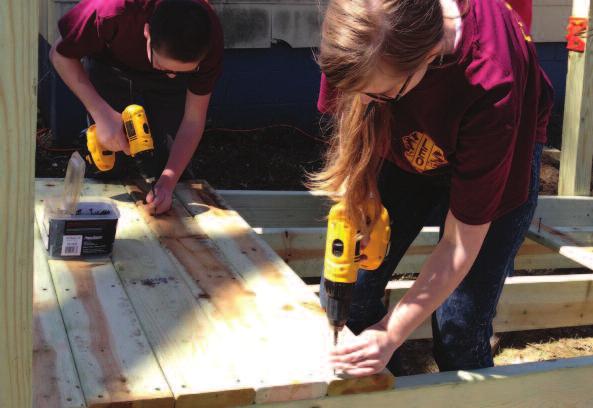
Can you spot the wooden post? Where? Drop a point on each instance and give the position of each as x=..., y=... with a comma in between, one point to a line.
x=18, y=72
x=577, y=140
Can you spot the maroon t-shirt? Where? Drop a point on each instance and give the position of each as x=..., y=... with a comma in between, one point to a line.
x=113, y=31
x=478, y=117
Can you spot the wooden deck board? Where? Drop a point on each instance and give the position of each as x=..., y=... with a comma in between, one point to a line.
x=294, y=310
x=115, y=362
x=185, y=337
x=55, y=380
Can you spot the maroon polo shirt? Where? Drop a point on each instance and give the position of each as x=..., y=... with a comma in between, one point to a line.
x=478, y=117
x=113, y=31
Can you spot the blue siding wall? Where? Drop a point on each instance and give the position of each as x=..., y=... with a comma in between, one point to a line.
x=280, y=85
x=259, y=87
x=554, y=58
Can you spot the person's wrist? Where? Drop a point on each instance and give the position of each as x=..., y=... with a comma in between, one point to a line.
x=393, y=336
x=167, y=180
x=101, y=111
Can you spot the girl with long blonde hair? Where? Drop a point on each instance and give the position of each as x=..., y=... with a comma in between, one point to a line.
x=441, y=111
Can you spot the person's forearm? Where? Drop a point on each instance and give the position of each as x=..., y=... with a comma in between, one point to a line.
x=73, y=74
x=440, y=275
x=185, y=144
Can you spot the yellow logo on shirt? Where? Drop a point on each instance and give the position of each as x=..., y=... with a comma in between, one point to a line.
x=422, y=153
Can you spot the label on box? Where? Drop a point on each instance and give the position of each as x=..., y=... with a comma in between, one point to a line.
x=71, y=245
x=78, y=238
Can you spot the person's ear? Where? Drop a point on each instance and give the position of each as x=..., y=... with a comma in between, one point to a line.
x=146, y=31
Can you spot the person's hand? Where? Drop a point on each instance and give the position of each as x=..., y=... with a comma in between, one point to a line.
x=110, y=132
x=162, y=199
x=366, y=354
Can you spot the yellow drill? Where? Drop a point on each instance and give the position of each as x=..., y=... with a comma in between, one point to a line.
x=344, y=256
x=135, y=124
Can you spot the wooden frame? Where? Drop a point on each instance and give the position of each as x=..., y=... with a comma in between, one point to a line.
x=527, y=303
x=166, y=320
x=302, y=250
x=297, y=233
x=565, y=382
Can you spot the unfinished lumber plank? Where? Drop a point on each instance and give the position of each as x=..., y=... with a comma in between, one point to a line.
x=303, y=250
x=542, y=302
x=559, y=383
x=305, y=230
x=526, y=303
x=279, y=290
x=565, y=211
x=577, y=145
x=246, y=314
x=55, y=380
x=279, y=208
x=18, y=84
x=529, y=303
x=568, y=245
x=115, y=362
x=303, y=209
x=186, y=341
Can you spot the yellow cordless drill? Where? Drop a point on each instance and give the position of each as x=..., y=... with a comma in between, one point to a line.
x=135, y=124
x=344, y=256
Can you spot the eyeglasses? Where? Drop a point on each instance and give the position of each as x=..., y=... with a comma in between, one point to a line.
x=385, y=99
x=168, y=71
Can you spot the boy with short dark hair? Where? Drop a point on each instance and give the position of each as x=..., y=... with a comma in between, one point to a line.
x=165, y=55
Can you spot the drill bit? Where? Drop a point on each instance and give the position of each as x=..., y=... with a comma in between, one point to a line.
x=153, y=195
x=336, y=332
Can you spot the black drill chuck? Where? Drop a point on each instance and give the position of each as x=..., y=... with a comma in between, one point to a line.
x=339, y=298
x=146, y=165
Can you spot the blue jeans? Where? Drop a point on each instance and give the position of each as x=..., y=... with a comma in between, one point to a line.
x=462, y=325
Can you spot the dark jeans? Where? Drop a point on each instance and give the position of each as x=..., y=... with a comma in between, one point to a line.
x=163, y=99
x=462, y=325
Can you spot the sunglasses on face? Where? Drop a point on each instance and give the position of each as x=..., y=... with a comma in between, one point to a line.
x=168, y=71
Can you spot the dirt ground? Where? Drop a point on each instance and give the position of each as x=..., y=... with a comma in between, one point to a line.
x=276, y=158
